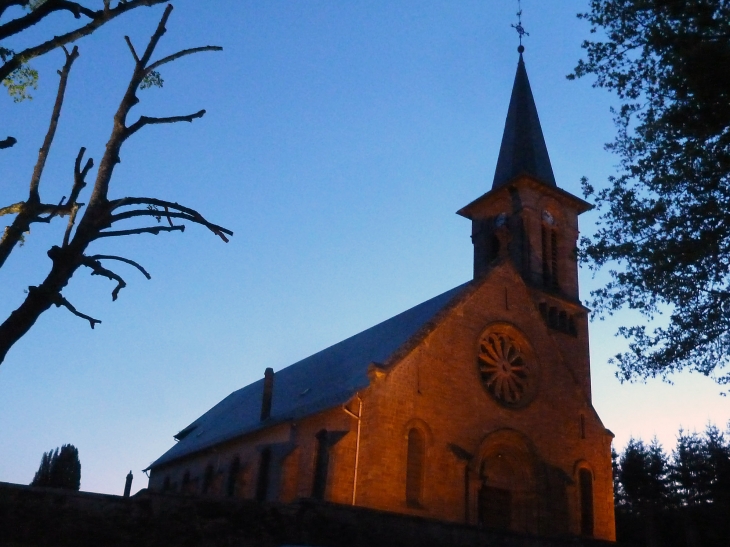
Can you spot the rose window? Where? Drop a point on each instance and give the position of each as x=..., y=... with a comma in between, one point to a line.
x=506, y=370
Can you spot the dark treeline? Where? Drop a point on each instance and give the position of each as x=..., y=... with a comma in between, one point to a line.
x=680, y=499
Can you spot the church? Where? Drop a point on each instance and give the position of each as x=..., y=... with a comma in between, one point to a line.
x=472, y=407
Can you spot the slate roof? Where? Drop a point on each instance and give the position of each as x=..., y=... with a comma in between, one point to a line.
x=523, y=150
x=321, y=381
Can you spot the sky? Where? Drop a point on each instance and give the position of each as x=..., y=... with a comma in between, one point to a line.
x=339, y=141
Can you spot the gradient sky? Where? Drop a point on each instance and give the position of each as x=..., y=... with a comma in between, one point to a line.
x=340, y=139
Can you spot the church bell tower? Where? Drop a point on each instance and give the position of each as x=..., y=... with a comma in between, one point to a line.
x=527, y=219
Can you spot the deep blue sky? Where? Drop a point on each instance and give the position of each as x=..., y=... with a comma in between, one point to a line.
x=340, y=139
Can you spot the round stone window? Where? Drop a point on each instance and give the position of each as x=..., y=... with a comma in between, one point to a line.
x=507, y=366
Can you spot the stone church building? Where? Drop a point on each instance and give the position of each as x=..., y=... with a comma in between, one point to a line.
x=473, y=407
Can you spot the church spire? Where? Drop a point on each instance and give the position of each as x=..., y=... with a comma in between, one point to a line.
x=523, y=150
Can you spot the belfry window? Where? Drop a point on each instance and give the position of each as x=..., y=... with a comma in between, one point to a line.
x=415, y=461
x=585, y=481
x=262, y=482
x=549, y=244
x=321, y=466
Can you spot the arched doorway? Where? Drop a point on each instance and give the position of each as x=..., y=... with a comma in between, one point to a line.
x=495, y=493
x=505, y=491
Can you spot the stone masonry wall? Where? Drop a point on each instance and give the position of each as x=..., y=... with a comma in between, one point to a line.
x=35, y=517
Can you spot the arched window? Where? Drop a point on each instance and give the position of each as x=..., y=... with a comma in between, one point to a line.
x=415, y=463
x=585, y=481
x=321, y=466
x=208, y=477
x=262, y=482
x=233, y=472
x=186, y=483
x=166, y=484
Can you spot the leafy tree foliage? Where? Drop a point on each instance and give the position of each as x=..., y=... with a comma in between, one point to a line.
x=664, y=229
x=678, y=500
x=59, y=469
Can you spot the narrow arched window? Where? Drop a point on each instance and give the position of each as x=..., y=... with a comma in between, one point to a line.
x=415, y=468
x=321, y=466
x=545, y=262
x=186, y=482
x=585, y=480
x=233, y=473
x=554, y=258
x=208, y=479
x=166, y=484
x=262, y=482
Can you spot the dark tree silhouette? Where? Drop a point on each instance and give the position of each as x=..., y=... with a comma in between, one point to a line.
x=102, y=214
x=664, y=230
x=59, y=469
x=678, y=501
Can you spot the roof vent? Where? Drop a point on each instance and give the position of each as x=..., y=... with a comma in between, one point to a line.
x=268, y=392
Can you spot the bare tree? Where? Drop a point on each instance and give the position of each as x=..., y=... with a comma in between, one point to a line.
x=14, y=71
x=101, y=214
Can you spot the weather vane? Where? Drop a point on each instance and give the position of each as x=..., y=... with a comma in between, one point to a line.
x=518, y=27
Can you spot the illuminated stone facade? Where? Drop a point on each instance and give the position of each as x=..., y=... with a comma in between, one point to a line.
x=474, y=407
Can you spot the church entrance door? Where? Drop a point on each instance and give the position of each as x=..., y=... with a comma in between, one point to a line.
x=495, y=507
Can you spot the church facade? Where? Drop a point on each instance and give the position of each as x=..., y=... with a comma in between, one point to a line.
x=472, y=407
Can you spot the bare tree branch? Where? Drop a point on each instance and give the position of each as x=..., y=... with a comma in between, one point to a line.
x=31, y=209
x=131, y=48
x=58, y=209
x=80, y=175
x=195, y=216
x=159, y=31
x=5, y=4
x=154, y=230
x=192, y=217
x=59, y=301
x=98, y=216
x=179, y=54
x=98, y=269
x=8, y=142
x=147, y=120
x=122, y=259
x=70, y=223
x=41, y=12
x=52, y=126
x=13, y=209
x=105, y=16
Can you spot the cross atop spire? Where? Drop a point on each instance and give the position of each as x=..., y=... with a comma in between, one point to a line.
x=519, y=28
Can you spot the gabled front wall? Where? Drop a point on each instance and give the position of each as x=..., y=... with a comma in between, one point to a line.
x=437, y=388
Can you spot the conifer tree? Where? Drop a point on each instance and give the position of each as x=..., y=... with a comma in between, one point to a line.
x=59, y=469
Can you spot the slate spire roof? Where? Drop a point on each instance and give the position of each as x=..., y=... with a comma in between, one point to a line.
x=523, y=150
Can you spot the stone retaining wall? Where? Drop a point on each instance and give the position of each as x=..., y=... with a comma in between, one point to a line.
x=35, y=517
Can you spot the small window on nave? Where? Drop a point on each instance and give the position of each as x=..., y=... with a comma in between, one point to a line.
x=321, y=466
x=585, y=481
x=262, y=482
x=233, y=475
x=415, y=462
